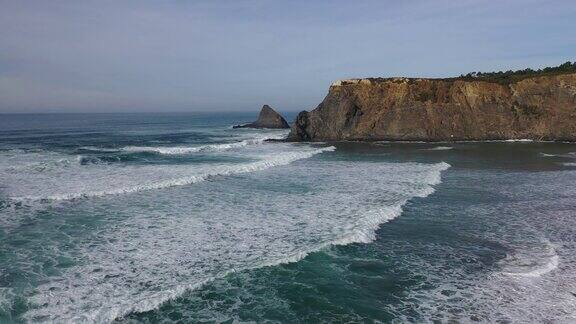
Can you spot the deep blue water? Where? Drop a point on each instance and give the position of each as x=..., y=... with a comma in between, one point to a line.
x=180, y=218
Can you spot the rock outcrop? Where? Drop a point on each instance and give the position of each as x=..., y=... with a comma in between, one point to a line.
x=268, y=118
x=538, y=107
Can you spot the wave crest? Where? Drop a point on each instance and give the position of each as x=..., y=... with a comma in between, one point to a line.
x=180, y=150
x=258, y=228
x=217, y=170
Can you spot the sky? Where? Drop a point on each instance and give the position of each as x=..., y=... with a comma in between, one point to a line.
x=187, y=55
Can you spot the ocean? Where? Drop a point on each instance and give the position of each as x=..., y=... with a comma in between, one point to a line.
x=158, y=218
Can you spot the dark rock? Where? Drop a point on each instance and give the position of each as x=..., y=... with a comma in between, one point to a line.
x=299, y=128
x=268, y=118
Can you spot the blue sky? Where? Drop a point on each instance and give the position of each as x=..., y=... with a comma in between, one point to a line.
x=185, y=55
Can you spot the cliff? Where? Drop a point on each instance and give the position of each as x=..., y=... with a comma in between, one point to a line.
x=268, y=118
x=539, y=108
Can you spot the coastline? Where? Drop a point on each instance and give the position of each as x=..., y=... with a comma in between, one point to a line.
x=512, y=140
x=536, y=107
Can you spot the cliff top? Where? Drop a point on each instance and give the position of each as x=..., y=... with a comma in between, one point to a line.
x=495, y=77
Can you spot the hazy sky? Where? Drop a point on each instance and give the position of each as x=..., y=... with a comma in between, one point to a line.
x=186, y=55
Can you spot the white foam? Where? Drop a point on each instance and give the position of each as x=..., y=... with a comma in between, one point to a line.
x=115, y=180
x=35, y=161
x=569, y=155
x=440, y=148
x=551, y=265
x=520, y=140
x=532, y=264
x=179, y=150
x=195, y=234
x=6, y=300
x=532, y=221
x=569, y=164
x=547, y=155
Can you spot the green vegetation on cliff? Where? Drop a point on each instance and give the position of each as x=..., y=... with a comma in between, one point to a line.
x=514, y=76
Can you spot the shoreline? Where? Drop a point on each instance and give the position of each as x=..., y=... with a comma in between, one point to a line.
x=368, y=141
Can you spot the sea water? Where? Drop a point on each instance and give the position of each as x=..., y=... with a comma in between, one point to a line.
x=179, y=217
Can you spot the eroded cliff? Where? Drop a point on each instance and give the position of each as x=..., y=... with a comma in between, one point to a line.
x=540, y=108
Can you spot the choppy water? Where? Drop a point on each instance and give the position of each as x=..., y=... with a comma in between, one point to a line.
x=179, y=217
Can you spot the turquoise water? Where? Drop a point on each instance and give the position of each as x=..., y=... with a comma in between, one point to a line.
x=180, y=218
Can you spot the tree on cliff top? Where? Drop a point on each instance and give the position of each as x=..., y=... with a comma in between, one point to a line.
x=512, y=76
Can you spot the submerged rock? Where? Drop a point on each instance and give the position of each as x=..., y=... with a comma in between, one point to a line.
x=268, y=118
x=538, y=108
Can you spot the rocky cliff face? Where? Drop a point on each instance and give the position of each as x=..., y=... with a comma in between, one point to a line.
x=268, y=118
x=540, y=108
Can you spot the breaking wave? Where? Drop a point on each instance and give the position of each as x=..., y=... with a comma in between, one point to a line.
x=267, y=228
x=180, y=150
x=268, y=161
x=440, y=148
x=533, y=264
x=548, y=155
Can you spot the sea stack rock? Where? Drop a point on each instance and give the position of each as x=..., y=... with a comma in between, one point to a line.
x=268, y=118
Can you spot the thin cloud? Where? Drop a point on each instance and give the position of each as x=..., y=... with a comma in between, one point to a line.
x=225, y=55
